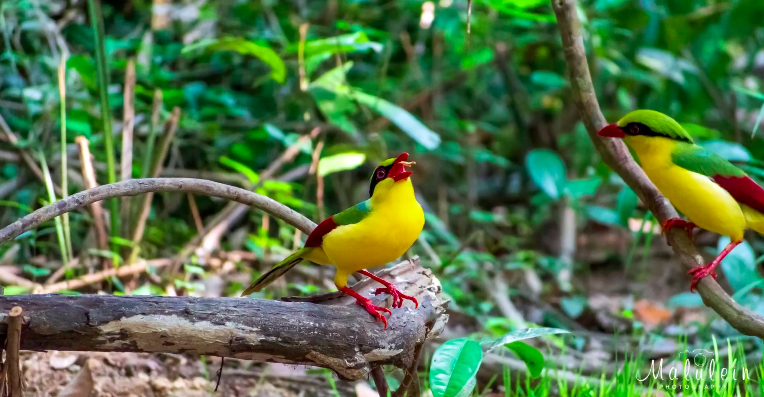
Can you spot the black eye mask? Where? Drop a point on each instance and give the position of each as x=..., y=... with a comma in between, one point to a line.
x=379, y=175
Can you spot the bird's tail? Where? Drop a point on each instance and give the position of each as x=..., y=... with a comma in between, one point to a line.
x=277, y=271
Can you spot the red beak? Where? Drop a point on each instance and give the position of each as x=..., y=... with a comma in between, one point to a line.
x=612, y=131
x=398, y=171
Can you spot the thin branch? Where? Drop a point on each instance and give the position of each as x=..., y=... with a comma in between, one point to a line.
x=12, y=345
x=93, y=278
x=378, y=374
x=617, y=156
x=99, y=221
x=128, y=121
x=135, y=187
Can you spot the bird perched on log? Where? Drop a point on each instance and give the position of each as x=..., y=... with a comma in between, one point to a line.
x=710, y=191
x=368, y=234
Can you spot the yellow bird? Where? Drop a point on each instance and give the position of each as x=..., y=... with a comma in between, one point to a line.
x=714, y=194
x=371, y=233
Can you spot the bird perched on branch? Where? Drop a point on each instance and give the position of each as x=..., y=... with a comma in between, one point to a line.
x=714, y=194
x=368, y=234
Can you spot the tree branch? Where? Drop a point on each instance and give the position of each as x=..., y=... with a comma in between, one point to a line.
x=616, y=155
x=337, y=334
x=140, y=186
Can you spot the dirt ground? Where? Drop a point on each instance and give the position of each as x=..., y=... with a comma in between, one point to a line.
x=165, y=375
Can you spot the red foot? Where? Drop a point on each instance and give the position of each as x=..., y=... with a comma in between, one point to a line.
x=368, y=305
x=699, y=272
x=397, y=295
x=677, y=222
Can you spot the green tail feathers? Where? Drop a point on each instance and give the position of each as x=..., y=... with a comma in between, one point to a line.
x=276, y=271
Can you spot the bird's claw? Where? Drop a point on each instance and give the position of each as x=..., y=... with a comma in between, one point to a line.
x=397, y=295
x=374, y=310
x=670, y=223
x=699, y=272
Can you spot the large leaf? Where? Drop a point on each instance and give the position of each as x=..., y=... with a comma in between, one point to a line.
x=245, y=47
x=547, y=171
x=729, y=150
x=403, y=119
x=739, y=265
x=340, y=162
x=522, y=334
x=665, y=64
x=453, y=368
x=582, y=187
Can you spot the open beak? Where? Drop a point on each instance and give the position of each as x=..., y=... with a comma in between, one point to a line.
x=398, y=171
x=612, y=131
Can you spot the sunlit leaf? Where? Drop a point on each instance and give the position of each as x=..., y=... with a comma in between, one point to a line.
x=331, y=94
x=522, y=334
x=243, y=169
x=665, y=64
x=340, y=162
x=548, y=79
x=351, y=42
x=244, y=47
x=453, y=368
x=403, y=119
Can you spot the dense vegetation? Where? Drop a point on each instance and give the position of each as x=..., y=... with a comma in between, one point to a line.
x=298, y=100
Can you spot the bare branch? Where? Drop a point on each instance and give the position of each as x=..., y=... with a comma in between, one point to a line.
x=135, y=187
x=617, y=156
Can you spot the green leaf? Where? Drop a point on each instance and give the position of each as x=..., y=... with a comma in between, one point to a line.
x=548, y=79
x=739, y=265
x=340, y=162
x=547, y=171
x=686, y=299
x=246, y=171
x=573, y=306
x=35, y=271
x=477, y=58
x=85, y=68
x=453, y=368
x=758, y=121
x=522, y=334
x=15, y=290
x=531, y=356
x=603, y=215
x=403, y=119
x=728, y=150
x=336, y=107
x=78, y=123
x=245, y=47
x=626, y=203
x=665, y=64
x=582, y=187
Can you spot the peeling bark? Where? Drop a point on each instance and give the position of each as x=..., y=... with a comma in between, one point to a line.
x=336, y=334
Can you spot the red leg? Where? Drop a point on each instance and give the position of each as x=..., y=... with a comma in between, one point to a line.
x=678, y=222
x=397, y=295
x=708, y=270
x=368, y=305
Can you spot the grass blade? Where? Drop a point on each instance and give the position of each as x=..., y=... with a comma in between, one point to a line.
x=52, y=198
x=96, y=24
x=64, y=156
x=128, y=120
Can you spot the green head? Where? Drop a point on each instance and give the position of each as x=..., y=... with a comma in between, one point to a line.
x=647, y=123
x=389, y=172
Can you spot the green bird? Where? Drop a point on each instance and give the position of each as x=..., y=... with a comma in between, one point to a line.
x=710, y=191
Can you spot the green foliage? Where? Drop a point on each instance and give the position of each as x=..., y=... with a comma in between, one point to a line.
x=454, y=367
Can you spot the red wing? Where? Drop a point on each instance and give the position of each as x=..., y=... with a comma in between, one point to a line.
x=316, y=237
x=744, y=190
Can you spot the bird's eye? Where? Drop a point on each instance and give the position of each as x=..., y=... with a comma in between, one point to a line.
x=634, y=129
x=381, y=173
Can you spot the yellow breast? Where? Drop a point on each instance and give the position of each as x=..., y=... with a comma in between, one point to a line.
x=383, y=236
x=699, y=198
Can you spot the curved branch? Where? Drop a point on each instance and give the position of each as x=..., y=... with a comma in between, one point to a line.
x=140, y=186
x=617, y=156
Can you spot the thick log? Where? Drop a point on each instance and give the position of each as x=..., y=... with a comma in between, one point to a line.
x=335, y=334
